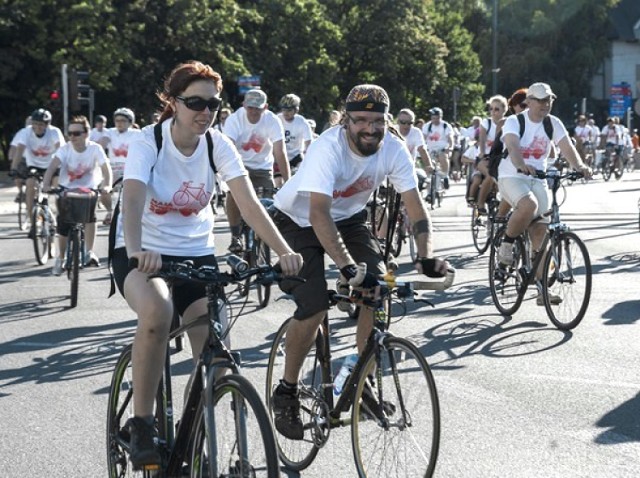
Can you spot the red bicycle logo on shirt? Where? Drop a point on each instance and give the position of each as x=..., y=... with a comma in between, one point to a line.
x=188, y=193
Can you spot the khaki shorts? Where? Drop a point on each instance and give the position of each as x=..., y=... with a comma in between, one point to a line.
x=513, y=189
x=262, y=178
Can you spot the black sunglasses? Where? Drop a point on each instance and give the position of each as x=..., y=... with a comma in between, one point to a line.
x=76, y=133
x=404, y=122
x=196, y=103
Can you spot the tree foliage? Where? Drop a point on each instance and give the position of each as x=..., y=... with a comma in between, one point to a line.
x=419, y=50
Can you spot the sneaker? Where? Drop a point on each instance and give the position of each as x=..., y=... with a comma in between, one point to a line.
x=286, y=408
x=505, y=253
x=142, y=451
x=446, y=182
x=57, y=267
x=236, y=245
x=553, y=298
x=92, y=260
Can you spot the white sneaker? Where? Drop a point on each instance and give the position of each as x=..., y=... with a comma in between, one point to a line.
x=554, y=299
x=505, y=253
x=92, y=259
x=57, y=267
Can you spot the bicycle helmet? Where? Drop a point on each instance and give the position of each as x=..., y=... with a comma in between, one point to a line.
x=435, y=111
x=41, y=115
x=126, y=112
x=290, y=101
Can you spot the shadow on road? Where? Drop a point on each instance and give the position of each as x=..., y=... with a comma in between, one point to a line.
x=621, y=423
x=24, y=309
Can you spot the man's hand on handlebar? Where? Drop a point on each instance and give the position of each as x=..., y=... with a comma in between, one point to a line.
x=290, y=263
x=365, y=281
x=149, y=262
x=527, y=170
x=432, y=267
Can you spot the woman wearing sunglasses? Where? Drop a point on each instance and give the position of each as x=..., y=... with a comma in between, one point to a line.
x=166, y=216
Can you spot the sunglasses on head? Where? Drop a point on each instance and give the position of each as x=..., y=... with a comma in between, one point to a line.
x=196, y=103
x=75, y=133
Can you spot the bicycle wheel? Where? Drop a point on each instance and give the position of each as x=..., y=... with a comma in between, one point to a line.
x=120, y=409
x=297, y=454
x=401, y=436
x=506, y=283
x=413, y=249
x=480, y=230
x=74, y=272
x=569, y=277
x=23, y=214
x=606, y=169
x=244, y=442
x=262, y=256
x=40, y=234
x=618, y=168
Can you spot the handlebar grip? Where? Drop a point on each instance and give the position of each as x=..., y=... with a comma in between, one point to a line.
x=133, y=262
x=437, y=284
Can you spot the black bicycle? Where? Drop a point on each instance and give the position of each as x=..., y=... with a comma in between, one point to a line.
x=43, y=224
x=562, y=273
x=224, y=429
x=483, y=226
x=395, y=414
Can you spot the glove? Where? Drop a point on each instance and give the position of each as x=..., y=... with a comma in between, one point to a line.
x=428, y=267
x=350, y=271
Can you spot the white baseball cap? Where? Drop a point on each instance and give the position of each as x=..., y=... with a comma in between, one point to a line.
x=540, y=91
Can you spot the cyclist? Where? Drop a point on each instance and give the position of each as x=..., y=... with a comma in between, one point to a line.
x=259, y=137
x=83, y=164
x=584, y=137
x=297, y=133
x=528, y=152
x=38, y=143
x=335, y=118
x=414, y=139
x=117, y=141
x=21, y=170
x=153, y=228
x=99, y=130
x=323, y=210
x=438, y=135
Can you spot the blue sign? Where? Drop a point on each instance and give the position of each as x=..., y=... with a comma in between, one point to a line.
x=246, y=83
x=620, y=99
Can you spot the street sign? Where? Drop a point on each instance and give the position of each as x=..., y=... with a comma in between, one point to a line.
x=246, y=83
x=620, y=99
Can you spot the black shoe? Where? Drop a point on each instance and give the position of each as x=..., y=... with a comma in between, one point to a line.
x=143, y=452
x=236, y=245
x=286, y=408
x=446, y=182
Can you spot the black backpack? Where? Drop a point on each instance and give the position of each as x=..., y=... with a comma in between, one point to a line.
x=444, y=124
x=498, y=152
x=157, y=134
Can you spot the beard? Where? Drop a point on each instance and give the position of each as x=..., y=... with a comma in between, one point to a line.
x=362, y=143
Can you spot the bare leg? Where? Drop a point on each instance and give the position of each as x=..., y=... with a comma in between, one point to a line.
x=300, y=337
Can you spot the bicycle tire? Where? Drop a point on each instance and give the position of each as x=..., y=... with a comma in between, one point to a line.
x=413, y=249
x=401, y=437
x=262, y=256
x=618, y=171
x=247, y=256
x=40, y=234
x=568, y=276
x=241, y=423
x=23, y=213
x=120, y=409
x=480, y=231
x=506, y=283
x=296, y=454
x=606, y=169
x=74, y=274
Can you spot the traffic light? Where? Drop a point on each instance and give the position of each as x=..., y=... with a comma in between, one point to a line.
x=78, y=89
x=54, y=100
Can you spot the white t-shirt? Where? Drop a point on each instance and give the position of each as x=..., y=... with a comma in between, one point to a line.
x=254, y=141
x=490, y=128
x=17, y=138
x=332, y=169
x=296, y=132
x=612, y=134
x=177, y=219
x=81, y=170
x=414, y=140
x=535, y=145
x=39, y=151
x=438, y=137
x=119, y=144
x=96, y=135
x=585, y=133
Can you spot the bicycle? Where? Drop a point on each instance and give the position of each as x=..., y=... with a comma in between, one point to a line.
x=435, y=186
x=565, y=266
x=483, y=226
x=609, y=160
x=43, y=224
x=77, y=207
x=224, y=429
x=391, y=392
x=257, y=253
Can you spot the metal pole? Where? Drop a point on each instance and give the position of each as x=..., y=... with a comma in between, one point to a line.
x=91, y=105
x=494, y=62
x=65, y=98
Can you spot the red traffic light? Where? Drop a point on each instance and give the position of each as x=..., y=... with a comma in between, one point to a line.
x=54, y=95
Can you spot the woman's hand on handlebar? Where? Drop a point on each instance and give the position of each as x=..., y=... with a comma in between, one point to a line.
x=148, y=261
x=290, y=263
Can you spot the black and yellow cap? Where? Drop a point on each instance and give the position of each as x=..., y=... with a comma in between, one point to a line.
x=368, y=98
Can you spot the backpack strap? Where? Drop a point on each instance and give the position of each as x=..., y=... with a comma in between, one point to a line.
x=521, y=122
x=546, y=123
x=489, y=127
